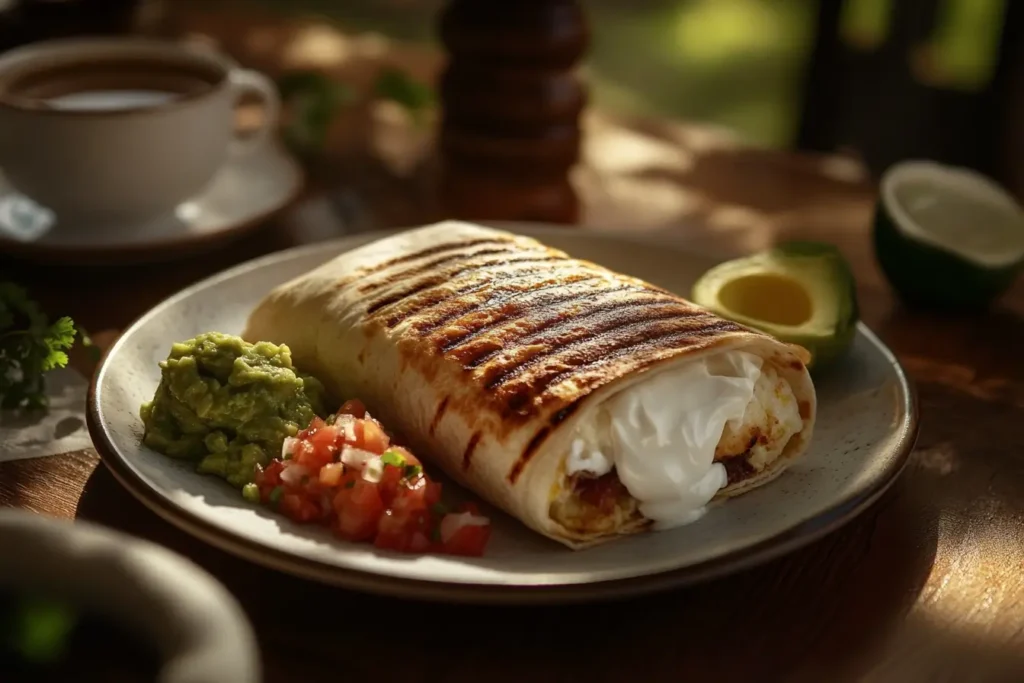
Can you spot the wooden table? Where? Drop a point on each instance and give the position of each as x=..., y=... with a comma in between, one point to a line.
x=928, y=585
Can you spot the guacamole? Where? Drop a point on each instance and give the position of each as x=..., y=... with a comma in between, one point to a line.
x=228, y=405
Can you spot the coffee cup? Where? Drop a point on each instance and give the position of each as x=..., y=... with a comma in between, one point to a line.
x=114, y=130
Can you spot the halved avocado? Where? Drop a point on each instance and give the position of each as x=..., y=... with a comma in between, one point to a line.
x=798, y=292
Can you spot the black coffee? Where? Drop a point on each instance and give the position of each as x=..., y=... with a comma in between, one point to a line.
x=107, y=85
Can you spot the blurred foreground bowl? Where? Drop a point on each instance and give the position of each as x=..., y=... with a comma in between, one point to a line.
x=79, y=597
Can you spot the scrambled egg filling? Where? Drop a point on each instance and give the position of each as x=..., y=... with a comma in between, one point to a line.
x=594, y=505
x=597, y=503
x=771, y=419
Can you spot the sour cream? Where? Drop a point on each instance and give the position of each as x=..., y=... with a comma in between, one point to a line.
x=660, y=435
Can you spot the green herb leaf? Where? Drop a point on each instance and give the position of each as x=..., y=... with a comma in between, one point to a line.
x=29, y=347
x=439, y=509
x=410, y=471
x=392, y=458
x=350, y=484
x=59, y=337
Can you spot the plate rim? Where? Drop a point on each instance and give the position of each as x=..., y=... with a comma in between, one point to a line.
x=777, y=545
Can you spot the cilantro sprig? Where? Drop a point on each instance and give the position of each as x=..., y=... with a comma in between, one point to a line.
x=30, y=346
x=396, y=459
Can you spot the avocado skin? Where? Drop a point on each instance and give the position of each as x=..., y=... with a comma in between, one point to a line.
x=825, y=352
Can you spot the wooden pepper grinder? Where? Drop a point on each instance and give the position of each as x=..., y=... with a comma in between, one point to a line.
x=511, y=100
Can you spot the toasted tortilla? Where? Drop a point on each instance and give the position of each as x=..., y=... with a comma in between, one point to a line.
x=485, y=349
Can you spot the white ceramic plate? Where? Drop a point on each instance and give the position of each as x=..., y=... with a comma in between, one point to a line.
x=866, y=428
x=248, y=189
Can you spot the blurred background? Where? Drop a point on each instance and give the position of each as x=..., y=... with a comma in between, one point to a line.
x=883, y=79
x=878, y=79
x=758, y=65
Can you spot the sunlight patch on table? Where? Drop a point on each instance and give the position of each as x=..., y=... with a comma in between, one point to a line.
x=843, y=169
x=619, y=150
x=640, y=203
x=974, y=583
x=749, y=230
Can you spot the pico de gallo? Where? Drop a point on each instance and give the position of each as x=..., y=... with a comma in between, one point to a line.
x=345, y=472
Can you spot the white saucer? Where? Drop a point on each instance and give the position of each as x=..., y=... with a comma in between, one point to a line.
x=246, y=191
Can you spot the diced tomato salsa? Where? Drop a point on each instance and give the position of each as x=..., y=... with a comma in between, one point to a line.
x=346, y=473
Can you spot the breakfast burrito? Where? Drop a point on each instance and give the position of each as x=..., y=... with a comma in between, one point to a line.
x=586, y=403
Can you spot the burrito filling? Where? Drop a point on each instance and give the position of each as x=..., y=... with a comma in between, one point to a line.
x=663, y=448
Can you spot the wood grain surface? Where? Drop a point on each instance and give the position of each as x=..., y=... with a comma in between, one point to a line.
x=928, y=585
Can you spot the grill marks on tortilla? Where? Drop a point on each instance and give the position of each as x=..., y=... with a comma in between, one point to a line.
x=528, y=453
x=442, y=305
x=422, y=253
x=438, y=414
x=523, y=328
x=529, y=311
x=496, y=302
x=462, y=268
x=467, y=455
x=429, y=266
x=631, y=325
x=547, y=334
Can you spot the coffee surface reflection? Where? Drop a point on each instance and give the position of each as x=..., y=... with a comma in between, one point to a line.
x=111, y=100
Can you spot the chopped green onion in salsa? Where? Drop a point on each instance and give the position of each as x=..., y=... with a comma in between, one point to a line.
x=392, y=457
x=251, y=493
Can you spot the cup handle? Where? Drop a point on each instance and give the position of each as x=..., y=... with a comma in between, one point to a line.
x=248, y=81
